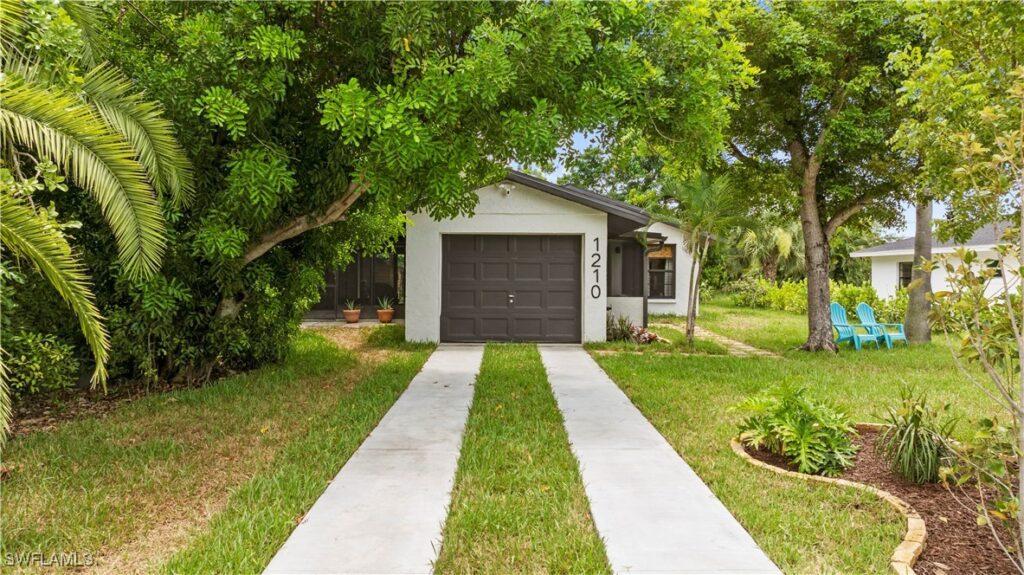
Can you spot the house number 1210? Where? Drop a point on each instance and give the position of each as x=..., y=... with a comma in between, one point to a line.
x=595, y=265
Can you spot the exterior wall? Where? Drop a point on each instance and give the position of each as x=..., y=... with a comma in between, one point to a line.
x=631, y=308
x=885, y=274
x=505, y=208
x=676, y=306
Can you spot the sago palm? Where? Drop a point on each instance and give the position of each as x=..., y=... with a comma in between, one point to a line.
x=108, y=141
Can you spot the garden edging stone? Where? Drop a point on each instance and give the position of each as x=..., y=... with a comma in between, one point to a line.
x=906, y=553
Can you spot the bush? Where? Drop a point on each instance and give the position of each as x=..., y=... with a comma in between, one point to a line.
x=915, y=440
x=39, y=362
x=789, y=296
x=811, y=435
x=849, y=295
x=750, y=292
x=893, y=310
x=620, y=329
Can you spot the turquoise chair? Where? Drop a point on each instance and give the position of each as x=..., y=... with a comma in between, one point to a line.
x=845, y=331
x=867, y=317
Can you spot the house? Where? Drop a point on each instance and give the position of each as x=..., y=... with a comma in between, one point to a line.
x=892, y=264
x=536, y=261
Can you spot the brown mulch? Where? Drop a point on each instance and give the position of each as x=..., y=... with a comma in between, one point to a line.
x=956, y=543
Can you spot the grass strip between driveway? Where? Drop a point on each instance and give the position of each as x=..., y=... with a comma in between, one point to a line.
x=518, y=504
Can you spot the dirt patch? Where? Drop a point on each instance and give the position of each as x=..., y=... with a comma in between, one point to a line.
x=956, y=543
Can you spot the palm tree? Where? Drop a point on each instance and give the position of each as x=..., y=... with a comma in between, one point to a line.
x=108, y=141
x=703, y=207
x=769, y=244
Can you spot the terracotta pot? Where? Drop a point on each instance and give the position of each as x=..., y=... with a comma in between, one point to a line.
x=351, y=315
x=385, y=315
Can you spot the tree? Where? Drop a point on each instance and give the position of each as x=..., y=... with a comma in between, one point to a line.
x=919, y=329
x=817, y=125
x=314, y=127
x=965, y=89
x=704, y=207
x=769, y=243
x=109, y=142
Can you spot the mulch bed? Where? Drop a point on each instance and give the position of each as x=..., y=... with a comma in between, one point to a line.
x=956, y=543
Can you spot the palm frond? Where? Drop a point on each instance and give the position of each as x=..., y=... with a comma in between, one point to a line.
x=12, y=18
x=142, y=124
x=58, y=126
x=35, y=239
x=85, y=15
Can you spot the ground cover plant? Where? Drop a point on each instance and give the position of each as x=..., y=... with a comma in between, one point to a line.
x=212, y=478
x=518, y=505
x=804, y=527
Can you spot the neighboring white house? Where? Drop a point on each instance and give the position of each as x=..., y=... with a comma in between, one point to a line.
x=536, y=261
x=892, y=264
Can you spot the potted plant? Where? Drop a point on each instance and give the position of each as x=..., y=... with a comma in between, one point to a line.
x=385, y=310
x=351, y=311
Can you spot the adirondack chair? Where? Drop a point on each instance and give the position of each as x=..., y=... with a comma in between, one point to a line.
x=845, y=331
x=867, y=317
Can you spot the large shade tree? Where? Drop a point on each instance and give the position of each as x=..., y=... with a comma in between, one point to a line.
x=812, y=136
x=315, y=126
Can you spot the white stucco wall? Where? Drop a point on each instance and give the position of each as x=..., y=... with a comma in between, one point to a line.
x=505, y=208
x=676, y=306
x=631, y=308
x=885, y=273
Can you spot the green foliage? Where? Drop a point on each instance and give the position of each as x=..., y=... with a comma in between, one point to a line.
x=916, y=438
x=850, y=295
x=38, y=362
x=812, y=435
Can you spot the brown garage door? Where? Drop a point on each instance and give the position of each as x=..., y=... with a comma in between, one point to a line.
x=510, y=288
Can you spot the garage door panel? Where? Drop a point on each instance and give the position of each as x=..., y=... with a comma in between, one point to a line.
x=480, y=272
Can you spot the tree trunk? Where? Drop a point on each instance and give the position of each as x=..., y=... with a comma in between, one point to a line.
x=691, y=310
x=816, y=254
x=691, y=306
x=770, y=268
x=918, y=306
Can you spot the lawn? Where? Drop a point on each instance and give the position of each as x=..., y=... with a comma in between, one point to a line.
x=518, y=504
x=804, y=528
x=204, y=480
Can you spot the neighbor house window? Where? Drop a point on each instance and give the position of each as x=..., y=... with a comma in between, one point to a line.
x=906, y=273
x=661, y=269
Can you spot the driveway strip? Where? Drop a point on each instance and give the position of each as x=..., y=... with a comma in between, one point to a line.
x=653, y=512
x=385, y=510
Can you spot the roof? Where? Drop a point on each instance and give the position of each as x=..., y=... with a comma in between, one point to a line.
x=627, y=217
x=987, y=237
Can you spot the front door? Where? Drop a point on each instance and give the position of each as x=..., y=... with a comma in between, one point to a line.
x=511, y=288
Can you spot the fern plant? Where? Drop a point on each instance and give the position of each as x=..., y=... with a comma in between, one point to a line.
x=815, y=437
x=915, y=442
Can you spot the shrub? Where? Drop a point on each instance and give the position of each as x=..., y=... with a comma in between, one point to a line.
x=39, y=362
x=915, y=440
x=893, y=310
x=621, y=329
x=812, y=435
x=789, y=296
x=849, y=295
x=750, y=292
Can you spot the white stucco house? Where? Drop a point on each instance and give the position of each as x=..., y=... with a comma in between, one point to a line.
x=892, y=263
x=536, y=261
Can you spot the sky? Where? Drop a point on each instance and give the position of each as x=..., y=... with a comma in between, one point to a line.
x=581, y=141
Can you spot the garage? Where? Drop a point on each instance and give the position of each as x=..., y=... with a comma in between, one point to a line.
x=511, y=288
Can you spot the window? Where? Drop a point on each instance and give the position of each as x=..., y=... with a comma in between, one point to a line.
x=661, y=270
x=906, y=273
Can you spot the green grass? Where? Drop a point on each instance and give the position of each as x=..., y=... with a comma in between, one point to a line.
x=804, y=528
x=218, y=474
x=676, y=342
x=518, y=504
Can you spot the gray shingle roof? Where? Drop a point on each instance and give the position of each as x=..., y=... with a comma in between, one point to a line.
x=985, y=236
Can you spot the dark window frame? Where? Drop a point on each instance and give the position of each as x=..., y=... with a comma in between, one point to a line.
x=905, y=271
x=668, y=276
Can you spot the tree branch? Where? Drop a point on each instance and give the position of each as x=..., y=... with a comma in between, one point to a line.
x=302, y=224
x=739, y=155
x=845, y=213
